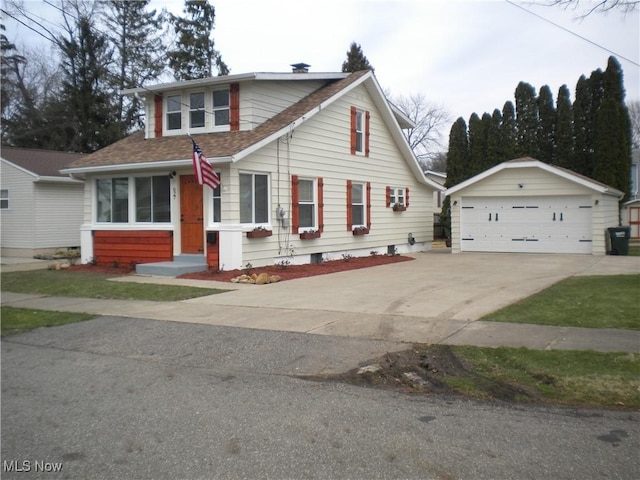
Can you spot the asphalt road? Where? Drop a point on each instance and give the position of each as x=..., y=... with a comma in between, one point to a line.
x=140, y=399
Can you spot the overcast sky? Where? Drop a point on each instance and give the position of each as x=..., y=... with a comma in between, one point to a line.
x=467, y=56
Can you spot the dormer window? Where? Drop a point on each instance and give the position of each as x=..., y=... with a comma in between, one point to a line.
x=174, y=112
x=196, y=110
x=220, y=107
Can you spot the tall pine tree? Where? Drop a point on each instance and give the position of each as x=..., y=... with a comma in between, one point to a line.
x=526, y=120
x=494, y=154
x=508, y=135
x=477, y=144
x=546, y=125
x=457, y=166
x=195, y=55
x=563, y=155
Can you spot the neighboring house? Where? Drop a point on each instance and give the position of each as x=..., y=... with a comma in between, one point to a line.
x=631, y=209
x=40, y=208
x=528, y=206
x=311, y=166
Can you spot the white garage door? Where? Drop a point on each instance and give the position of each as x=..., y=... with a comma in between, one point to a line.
x=527, y=225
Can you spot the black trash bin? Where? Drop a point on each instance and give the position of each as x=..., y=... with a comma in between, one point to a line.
x=619, y=240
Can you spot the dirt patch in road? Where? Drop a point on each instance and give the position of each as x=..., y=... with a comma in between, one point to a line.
x=289, y=272
x=431, y=369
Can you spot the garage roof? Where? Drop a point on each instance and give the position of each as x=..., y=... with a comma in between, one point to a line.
x=528, y=162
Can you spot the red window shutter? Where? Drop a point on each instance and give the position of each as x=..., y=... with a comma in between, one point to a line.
x=353, y=130
x=368, y=205
x=406, y=197
x=158, y=116
x=349, y=205
x=295, y=221
x=366, y=133
x=234, y=107
x=388, y=196
x=320, y=205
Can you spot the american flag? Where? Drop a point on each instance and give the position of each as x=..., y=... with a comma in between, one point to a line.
x=205, y=175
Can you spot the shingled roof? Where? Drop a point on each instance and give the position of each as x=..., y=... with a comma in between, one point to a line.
x=136, y=149
x=43, y=163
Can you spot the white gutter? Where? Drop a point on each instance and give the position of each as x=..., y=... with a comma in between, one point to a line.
x=48, y=179
x=168, y=164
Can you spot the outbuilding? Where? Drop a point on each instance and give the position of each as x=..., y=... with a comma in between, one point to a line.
x=527, y=206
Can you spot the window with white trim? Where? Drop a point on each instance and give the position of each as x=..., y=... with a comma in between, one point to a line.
x=196, y=110
x=307, y=209
x=254, y=198
x=358, y=205
x=153, y=199
x=220, y=107
x=359, y=129
x=397, y=196
x=112, y=201
x=174, y=112
x=217, y=202
x=4, y=199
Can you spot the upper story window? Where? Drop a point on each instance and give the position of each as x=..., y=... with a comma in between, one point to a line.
x=360, y=121
x=4, y=199
x=196, y=110
x=220, y=107
x=174, y=112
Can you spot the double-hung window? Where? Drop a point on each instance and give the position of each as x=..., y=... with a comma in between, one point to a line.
x=220, y=108
x=254, y=198
x=217, y=203
x=360, y=126
x=196, y=110
x=174, y=112
x=153, y=199
x=306, y=204
x=4, y=199
x=112, y=200
x=397, y=196
x=357, y=205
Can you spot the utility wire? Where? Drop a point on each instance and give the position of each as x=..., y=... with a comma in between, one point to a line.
x=572, y=33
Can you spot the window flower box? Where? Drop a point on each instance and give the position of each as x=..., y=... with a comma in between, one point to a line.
x=259, y=232
x=360, y=231
x=399, y=208
x=309, y=235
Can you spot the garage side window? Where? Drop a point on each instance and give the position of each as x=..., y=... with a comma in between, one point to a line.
x=112, y=200
x=4, y=199
x=153, y=200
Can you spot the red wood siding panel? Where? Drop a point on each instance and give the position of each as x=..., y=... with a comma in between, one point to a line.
x=213, y=250
x=158, y=116
x=127, y=247
x=234, y=107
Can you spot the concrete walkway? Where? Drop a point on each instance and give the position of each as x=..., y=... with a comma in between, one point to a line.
x=437, y=298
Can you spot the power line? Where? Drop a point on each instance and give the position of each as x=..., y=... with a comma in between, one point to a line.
x=572, y=33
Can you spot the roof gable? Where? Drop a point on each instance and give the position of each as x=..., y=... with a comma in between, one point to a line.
x=528, y=162
x=39, y=163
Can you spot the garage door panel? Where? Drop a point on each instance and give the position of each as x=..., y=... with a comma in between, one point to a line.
x=526, y=225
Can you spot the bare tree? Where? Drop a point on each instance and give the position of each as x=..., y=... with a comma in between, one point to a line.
x=430, y=119
x=601, y=6
x=634, y=114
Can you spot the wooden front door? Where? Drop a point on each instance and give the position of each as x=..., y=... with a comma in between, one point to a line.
x=191, y=215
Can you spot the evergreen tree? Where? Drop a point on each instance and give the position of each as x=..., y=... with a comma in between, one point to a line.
x=457, y=166
x=86, y=109
x=546, y=126
x=494, y=154
x=526, y=120
x=582, y=126
x=195, y=55
x=563, y=155
x=135, y=34
x=508, y=136
x=612, y=127
x=477, y=145
x=356, y=60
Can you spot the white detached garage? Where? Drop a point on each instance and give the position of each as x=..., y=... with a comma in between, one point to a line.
x=527, y=206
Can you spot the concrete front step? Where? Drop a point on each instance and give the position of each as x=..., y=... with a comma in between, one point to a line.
x=180, y=265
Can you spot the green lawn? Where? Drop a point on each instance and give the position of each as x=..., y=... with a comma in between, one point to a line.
x=64, y=283
x=595, y=302
x=19, y=320
x=579, y=378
